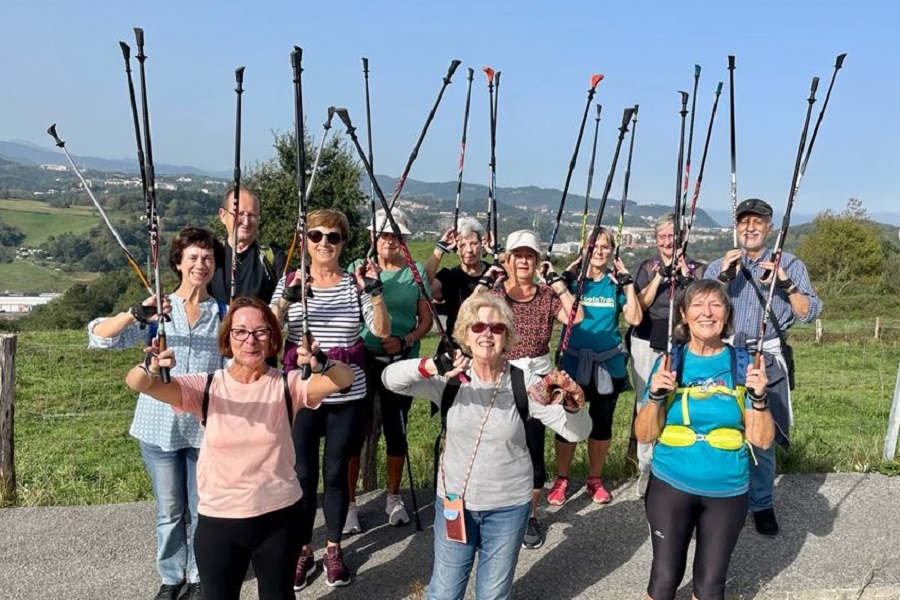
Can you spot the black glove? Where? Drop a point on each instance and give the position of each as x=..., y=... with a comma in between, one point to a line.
x=143, y=313
x=292, y=293
x=552, y=277
x=728, y=275
x=666, y=271
x=323, y=361
x=784, y=284
x=373, y=286
x=445, y=247
x=683, y=280
x=443, y=358
x=488, y=280
x=569, y=277
x=623, y=279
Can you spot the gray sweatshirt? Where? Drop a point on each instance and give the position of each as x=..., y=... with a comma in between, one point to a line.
x=501, y=473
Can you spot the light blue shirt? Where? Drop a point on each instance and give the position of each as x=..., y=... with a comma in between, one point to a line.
x=196, y=351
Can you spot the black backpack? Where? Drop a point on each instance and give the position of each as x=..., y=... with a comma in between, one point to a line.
x=288, y=401
x=520, y=393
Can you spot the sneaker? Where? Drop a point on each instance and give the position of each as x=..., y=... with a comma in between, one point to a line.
x=306, y=566
x=557, y=494
x=396, y=510
x=336, y=573
x=597, y=492
x=642, y=482
x=192, y=592
x=765, y=522
x=351, y=525
x=168, y=592
x=534, y=534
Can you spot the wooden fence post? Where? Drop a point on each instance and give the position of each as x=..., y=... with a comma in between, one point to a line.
x=893, y=429
x=877, y=328
x=7, y=391
x=820, y=331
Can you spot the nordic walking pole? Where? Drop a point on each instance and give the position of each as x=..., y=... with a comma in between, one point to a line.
x=365, y=64
x=462, y=149
x=621, y=223
x=592, y=240
x=492, y=187
x=493, y=224
x=734, y=201
x=415, y=151
x=151, y=212
x=128, y=255
x=590, y=178
x=595, y=79
x=687, y=163
x=236, y=207
x=126, y=54
x=690, y=223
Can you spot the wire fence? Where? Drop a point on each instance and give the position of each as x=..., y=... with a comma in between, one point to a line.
x=73, y=413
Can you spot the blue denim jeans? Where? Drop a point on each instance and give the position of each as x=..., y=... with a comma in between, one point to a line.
x=174, y=476
x=762, y=479
x=495, y=536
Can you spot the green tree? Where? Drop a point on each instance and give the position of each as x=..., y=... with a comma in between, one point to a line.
x=336, y=187
x=844, y=248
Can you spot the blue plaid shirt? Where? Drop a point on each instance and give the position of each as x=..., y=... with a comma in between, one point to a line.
x=196, y=351
x=747, y=307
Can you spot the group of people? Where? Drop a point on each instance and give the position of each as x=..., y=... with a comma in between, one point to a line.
x=236, y=458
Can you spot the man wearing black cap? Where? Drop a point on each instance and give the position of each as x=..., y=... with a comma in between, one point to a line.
x=742, y=272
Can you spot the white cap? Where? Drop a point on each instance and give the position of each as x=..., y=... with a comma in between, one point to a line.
x=524, y=238
x=385, y=226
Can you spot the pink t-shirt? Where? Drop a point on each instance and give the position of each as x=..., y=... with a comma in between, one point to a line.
x=246, y=465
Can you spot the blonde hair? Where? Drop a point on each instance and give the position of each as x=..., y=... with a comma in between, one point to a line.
x=468, y=314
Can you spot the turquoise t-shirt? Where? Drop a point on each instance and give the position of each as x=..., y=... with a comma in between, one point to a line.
x=599, y=331
x=701, y=469
x=401, y=296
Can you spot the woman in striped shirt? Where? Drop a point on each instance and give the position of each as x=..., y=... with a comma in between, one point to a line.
x=337, y=303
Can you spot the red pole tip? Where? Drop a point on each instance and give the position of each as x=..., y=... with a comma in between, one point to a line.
x=489, y=72
x=596, y=79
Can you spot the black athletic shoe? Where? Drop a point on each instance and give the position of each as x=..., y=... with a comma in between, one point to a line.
x=168, y=592
x=192, y=592
x=534, y=534
x=765, y=522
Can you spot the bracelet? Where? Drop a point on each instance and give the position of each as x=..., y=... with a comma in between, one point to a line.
x=763, y=406
x=659, y=397
x=422, y=370
x=760, y=398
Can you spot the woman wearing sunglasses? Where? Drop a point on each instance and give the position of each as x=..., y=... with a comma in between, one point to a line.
x=337, y=304
x=485, y=474
x=249, y=511
x=410, y=322
x=703, y=410
x=595, y=357
x=170, y=442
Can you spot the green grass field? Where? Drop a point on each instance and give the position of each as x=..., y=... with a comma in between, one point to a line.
x=38, y=220
x=73, y=413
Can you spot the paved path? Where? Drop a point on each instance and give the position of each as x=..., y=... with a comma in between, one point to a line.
x=840, y=540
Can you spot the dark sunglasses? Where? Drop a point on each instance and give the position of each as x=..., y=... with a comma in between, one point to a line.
x=496, y=328
x=333, y=237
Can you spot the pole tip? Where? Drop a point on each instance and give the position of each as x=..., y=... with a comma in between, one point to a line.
x=490, y=74
x=684, y=99
x=599, y=110
x=696, y=70
x=52, y=131
x=839, y=61
x=719, y=88
x=126, y=50
x=595, y=79
x=731, y=61
x=139, y=37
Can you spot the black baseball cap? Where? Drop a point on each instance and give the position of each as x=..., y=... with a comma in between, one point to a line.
x=754, y=206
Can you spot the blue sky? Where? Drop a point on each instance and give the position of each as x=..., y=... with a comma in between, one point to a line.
x=60, y=62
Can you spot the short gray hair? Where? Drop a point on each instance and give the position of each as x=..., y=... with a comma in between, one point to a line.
x=664, y=221
x=466, y=226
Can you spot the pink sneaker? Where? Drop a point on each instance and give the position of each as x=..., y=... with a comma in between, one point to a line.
x=596, y=491
x=557, y=494
x=306, y=566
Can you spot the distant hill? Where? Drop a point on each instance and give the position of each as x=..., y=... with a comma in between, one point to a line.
x=530, y=196
x=32, y=154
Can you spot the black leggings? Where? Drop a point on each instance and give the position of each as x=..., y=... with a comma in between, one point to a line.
x=394, y=409
x=672, y=516
x=337, y=424
x=536, y=439
x=270, y=542
x=602, y=408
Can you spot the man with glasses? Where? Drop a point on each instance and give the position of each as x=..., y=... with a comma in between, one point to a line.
x=258, y=266
x=746, y=272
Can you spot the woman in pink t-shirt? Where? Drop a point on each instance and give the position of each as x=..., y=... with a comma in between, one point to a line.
x=249, y=508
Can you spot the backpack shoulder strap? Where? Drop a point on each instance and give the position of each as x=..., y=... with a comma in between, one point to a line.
x=223, y=310
x=204, y=406
x=447, y=398
x=288, y=399
x=520, y=392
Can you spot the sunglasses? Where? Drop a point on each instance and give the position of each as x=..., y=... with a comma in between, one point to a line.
x=496, y=328
x=333, y=237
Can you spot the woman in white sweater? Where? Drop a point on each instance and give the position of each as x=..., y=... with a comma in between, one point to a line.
x=485, y=474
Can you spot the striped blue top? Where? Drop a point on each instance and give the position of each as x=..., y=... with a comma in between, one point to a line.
x=196, y=351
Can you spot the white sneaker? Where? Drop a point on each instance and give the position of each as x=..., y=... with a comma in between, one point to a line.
x=351, y=525
x=396, y=510
x=642, y=482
